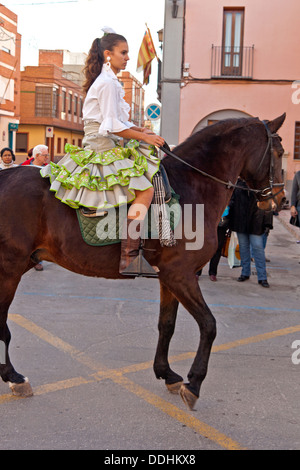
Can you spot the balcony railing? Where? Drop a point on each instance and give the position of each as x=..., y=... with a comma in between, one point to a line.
x=232, y=62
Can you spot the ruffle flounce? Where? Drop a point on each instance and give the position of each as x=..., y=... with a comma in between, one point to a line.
x=102, y=179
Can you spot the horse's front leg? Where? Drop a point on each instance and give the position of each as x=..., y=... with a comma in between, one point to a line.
x=190, y=296
x=190, y=392
x=18, y=383
x=166, y=326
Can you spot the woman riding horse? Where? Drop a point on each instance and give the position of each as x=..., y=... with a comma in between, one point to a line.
x=104, y=174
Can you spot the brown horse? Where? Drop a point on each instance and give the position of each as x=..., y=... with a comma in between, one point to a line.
x=35, y=226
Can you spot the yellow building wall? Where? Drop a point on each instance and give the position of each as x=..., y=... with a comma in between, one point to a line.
x=37, y=135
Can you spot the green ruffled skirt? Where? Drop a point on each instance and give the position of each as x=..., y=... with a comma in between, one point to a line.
x=99, y=179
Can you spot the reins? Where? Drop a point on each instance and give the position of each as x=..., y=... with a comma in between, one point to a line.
x=265, y=193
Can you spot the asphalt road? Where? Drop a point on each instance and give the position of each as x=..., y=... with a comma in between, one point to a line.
x=87, y=346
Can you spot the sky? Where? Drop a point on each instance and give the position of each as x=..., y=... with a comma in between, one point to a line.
x=74, y=24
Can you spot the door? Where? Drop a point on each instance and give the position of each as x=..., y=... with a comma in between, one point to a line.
x=232, y=48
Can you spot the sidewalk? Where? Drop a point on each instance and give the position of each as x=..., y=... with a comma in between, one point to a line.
x=284, y=217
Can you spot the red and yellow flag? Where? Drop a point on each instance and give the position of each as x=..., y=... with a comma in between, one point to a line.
x=146, y=55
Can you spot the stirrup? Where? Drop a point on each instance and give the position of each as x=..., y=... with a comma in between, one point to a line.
x=139, y=267
x=92, y=212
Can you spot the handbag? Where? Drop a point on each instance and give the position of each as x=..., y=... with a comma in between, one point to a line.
x=294, y=221
x=234, y=258
x=225, y=246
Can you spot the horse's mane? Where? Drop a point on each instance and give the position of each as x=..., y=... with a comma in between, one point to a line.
x=210, y=133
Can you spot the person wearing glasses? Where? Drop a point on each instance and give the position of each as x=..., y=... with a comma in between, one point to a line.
x=40, y=156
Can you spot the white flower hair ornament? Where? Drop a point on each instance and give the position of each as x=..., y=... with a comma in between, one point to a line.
x=107, y=30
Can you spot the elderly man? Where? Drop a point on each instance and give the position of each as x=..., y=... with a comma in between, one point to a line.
x=40, y=156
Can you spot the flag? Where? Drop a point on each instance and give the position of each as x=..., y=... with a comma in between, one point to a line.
x=146, y=55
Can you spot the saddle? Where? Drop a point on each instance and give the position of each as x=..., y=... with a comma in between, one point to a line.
x=104, y=228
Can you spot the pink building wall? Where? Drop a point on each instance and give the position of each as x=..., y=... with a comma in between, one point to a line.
x=272, y=26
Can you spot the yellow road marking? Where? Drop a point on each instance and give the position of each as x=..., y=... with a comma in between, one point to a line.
x=61, y=385
x=257, y=338
x=183, y=417
x=55, y=341
x=117, y=376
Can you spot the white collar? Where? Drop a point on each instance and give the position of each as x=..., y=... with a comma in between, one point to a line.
x=6, y=165
x=109, y=73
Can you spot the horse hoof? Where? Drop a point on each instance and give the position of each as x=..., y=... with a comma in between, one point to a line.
x=188, y=397
x=21, y=390
x=174, y=388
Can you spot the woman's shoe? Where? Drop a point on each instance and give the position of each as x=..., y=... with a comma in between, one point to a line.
x=264, y=283
x=132, y=262
x=212, y=277
x=129, y=247
x=243, y=278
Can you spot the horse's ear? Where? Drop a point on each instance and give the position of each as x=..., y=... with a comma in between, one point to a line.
x=276, y=123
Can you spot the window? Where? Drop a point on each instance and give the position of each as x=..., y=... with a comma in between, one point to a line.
x=46, y=101
x=64, y=102
x=232, y=47
x=59, y=145
x=5, y=49
x=297, y=141
x=75, y=105
x=54, y=103
x=70, y=104
x=21, y=142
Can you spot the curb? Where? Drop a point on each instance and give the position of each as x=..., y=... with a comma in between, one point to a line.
x=289, y=227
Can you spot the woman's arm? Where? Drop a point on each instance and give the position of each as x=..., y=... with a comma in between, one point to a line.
x=133, y=133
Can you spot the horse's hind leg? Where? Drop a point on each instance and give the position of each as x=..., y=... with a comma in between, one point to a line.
x=166, y=326
x=18, y=383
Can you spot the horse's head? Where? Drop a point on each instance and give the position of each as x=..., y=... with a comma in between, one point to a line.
x=263, y=172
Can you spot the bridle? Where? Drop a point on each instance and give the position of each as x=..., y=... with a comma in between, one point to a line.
x=266, y=193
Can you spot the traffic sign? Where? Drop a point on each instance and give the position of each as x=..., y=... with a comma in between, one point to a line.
x=49, y=132
x=153, y=112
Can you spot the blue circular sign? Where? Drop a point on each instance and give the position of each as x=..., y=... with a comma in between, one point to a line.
x=153, y=112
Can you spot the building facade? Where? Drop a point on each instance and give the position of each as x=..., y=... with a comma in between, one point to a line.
x=51, y=106
x=232, y=59
x=134, y=96
x=10, y=52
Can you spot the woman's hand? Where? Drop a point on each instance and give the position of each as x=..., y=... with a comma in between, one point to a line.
x=293, y=211
x=146, y=130
x=153, y=139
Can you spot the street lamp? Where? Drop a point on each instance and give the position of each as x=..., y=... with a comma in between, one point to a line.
x=160, y=34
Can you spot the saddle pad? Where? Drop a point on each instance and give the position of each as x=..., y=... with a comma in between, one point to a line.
x=104, y=230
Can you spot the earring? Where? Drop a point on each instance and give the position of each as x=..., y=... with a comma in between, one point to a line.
x=107, y=64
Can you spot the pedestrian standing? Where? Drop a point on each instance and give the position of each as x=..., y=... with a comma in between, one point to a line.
x=295, y=198
x=7, y=159
x=249, y=222
x=40, y=156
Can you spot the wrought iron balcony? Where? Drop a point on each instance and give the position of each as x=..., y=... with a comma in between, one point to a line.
x=232, y=62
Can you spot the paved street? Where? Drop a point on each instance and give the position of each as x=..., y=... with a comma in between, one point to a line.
x=87, y=346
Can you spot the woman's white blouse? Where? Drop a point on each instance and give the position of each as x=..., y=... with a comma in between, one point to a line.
x=104, y=103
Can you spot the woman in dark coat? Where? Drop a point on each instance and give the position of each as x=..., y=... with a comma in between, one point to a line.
x=250, y=224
